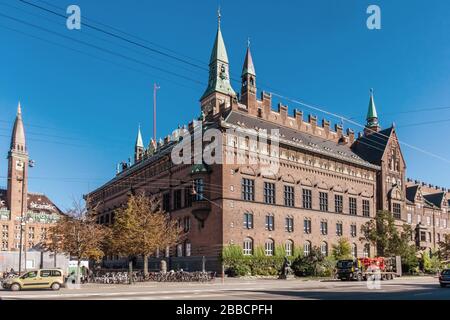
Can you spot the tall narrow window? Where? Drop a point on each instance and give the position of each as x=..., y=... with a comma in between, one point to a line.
x=366, y=208
x=166, y=202
x=177, y=199
x=307, y=199
x=248, y=247
x=269, y=193
x=187, y=197
x=323, y=201
x=338, y=203
x=270, y=222
x=289, y=248
x=353, y=231
x=352, y=206
x=289, y=196
x=324, y=249
x=199, y=188
x=354, y=250
x=289, y=224
x=307, y=249
x=397, y=210
x=248, y=189
x=323, y=227
x=248, y=220
x=268, y=247
x=339, y=229
x=307, y=226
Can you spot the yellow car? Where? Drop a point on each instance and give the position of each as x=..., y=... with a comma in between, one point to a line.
x=40, y=279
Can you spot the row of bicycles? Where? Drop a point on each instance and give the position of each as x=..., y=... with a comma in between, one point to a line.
x=122, y=277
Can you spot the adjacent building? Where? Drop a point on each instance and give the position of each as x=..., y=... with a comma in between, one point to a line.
x=328, y=182
x=25, y=217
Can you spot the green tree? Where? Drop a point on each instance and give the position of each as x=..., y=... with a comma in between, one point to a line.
x=141, y=228
x=385, y=236
x=444, y=247
x=342, y=250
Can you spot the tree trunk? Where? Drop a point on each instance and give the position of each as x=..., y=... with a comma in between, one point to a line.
x=130, y=270
x=145, y=265
x=54, y=260
x=78, y=271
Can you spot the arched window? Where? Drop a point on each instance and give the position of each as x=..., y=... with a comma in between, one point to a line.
x=307, y=248
x=324, y=248
x=366, y=251
x=289, y=248
x=248, y=246
x=268, y=246
x=354, y=250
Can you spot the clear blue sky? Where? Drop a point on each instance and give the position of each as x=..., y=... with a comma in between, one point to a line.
x=81, y=113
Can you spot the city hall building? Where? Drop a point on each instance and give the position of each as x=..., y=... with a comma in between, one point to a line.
x=328, y=183
x=25, y=217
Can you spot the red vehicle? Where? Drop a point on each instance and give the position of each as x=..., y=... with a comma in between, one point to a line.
x=363, y=268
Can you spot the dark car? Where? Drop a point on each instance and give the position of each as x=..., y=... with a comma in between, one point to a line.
x=444, y=278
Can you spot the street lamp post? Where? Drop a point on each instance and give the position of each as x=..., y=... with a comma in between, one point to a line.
x=30, y=164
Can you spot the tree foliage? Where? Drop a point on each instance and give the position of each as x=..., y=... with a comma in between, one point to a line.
x=385, y=236
x=444, y=247
x=342, y=250
x=141, y=227
x=77, y=234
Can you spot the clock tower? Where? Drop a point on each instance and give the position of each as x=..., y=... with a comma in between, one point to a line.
x=17, y=169
x=219, y=93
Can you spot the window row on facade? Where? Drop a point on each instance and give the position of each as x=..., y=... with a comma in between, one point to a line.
x=306, y=198
x=248, y=247
x=289, y=222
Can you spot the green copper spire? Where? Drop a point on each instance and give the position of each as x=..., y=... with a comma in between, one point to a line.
x=219, y=51
x=219, y=74
x=372, y=113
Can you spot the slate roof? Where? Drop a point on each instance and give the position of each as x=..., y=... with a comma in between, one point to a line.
x=306, y=141
x=37, y=203
x=411, y=192
x=435, y=198
x=371, y=148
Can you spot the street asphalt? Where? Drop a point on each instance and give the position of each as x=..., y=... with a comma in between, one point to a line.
x=407, y=288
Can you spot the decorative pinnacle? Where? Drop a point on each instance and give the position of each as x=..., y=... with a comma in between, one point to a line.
x=248, y=42
x=19, y=109
x=219, y=16
x=371, y=91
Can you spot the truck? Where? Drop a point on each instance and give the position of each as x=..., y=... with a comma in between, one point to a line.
x=360, y=269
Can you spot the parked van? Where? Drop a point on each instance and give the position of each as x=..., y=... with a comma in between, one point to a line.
x=40, y=279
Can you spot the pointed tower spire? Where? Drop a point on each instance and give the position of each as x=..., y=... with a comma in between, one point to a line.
x=18, y=142
x=139, y=141
x=248, y=88
x=372, y=117
x=248, y=68
x=139, y=147
x=219, y=74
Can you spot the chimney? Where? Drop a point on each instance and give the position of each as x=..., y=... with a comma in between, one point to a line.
x=351, y=135
x=326, y=126
x=338, y=129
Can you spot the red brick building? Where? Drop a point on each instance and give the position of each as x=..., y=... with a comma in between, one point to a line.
x=328, y=183
x=31, y=214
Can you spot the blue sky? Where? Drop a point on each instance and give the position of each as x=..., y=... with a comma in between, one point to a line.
x=81, y=110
